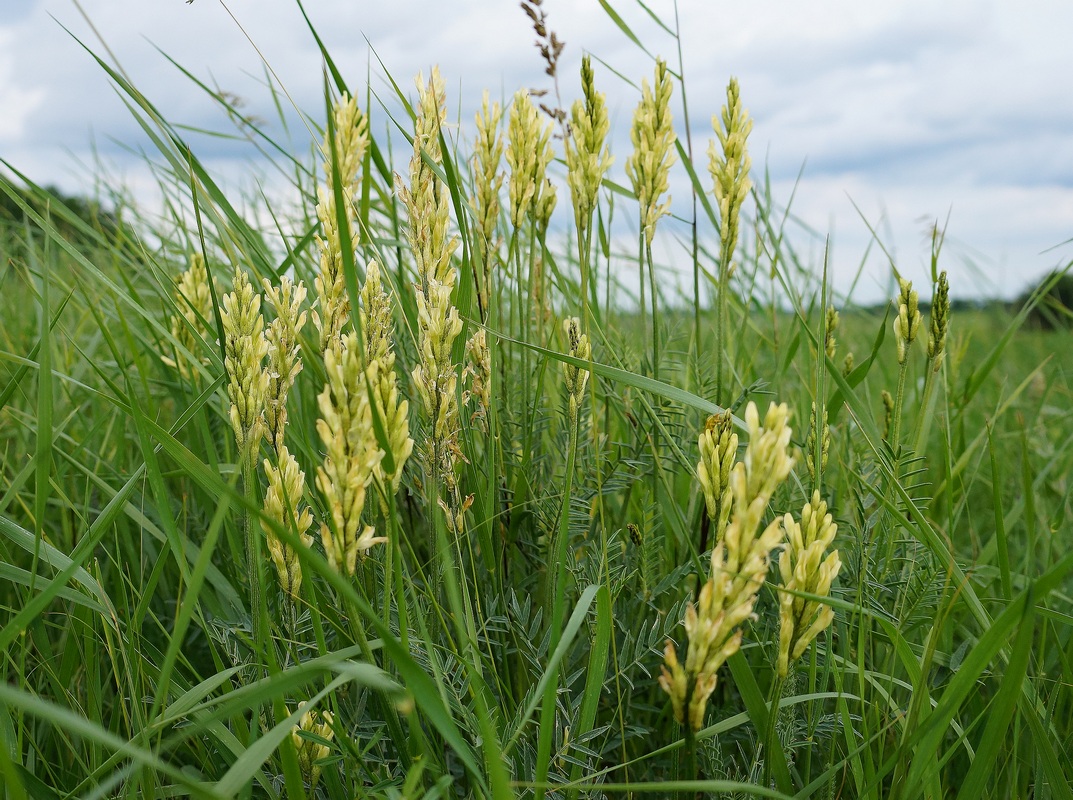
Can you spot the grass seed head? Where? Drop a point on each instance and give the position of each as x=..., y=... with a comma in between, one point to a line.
x=576, y=377
x=830, y=326
x=487, y=180
x=818, y=442
x=529, y=151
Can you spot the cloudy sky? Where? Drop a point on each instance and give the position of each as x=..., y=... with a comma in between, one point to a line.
x=908, y=110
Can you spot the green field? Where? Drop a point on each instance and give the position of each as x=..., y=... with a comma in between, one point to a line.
x=448, y=560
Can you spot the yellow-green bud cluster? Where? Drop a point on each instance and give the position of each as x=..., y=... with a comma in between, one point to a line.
x=351, y=138
x=284, y=354
x=939, y=321
x=653, y=154
x=589, y=158
x=310, y=738
x=804, y=569
x=907, y=323
x=830, y=326
x=375, y=320
x=847, y=365
x=480, y=370
x=818, y=442
x=718, y=445
x=244, y=352
x=888, y=413
x=576, y=377
x=529, y=152
x=487, y=180
x=194, y=299
x=427, y=200
x=739, y=568
x=283, y=505
x=352, y=455
x=729, y=166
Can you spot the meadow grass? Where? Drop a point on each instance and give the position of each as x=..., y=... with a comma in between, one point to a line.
x=276, y=523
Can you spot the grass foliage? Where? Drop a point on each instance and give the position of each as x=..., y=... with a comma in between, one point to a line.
x=148, y=650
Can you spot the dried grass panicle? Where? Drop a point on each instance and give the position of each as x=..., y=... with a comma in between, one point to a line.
x=576, y=377
x=729, y=165
x=309, y=737
x=529, y=151
x=375, y=320
x=190, y=327
x=284, y=506
x=284, y=354
x=739, y=568
x=718, y=444
x=653, y=137
x=245, y=348
x=587, y=154
x=939, y=322
x=352, y=455
x=804, y=568
x=907, y=323
x=487, y=182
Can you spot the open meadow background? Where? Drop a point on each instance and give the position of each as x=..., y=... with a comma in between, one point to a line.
x=694, y=423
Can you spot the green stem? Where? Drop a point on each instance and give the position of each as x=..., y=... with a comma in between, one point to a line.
x=557, y=592
x=655, y=311
x=772, y=723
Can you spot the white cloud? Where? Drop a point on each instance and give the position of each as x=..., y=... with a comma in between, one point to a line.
x=912, y=107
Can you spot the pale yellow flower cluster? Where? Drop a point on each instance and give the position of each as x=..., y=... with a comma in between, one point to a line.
x=804, y=569
x=718, y=446
x=194, y=298
x=480, y=370
x=576, y=377
x=284, y=506
x=487, y=181
x=435, y=376
x=312, y=727
x=587, y=155
x=284, y=360
x=818, y=440
x=351, y=138
x=375, y=320
x=739, y=568
x=245, y=348
x=352, y=455
x=907, y=323
x=729, y=166
x=653, y=155
x=529, y=151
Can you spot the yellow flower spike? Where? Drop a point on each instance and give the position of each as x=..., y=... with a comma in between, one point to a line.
x=487, y=180
x=729, y=165
x=194, y=299
x=587, y=156
x=907, y=322
x=939, y=321
x=284, y=354
x=653, y=155
x=529, y=151
x=351, y=458
x=316, y=724
x=283, y=505
x=804, y=568
x=739, y=562
x=718, y=444
x=576, y=377
x=245, y=348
